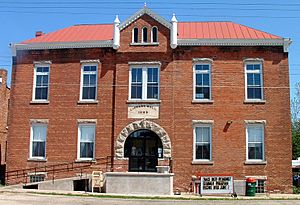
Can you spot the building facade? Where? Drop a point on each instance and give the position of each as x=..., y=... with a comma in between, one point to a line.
x=210, y=97
x=4, y=101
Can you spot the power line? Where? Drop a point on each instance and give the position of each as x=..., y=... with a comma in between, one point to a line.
x=156, y=8
x=187, y=15
x=152, y=3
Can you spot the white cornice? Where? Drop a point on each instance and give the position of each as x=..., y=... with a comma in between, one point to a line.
x=62, y=45
x=140, y=13
x=232, y=42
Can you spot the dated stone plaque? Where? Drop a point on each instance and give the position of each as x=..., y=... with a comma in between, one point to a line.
x=147, y=111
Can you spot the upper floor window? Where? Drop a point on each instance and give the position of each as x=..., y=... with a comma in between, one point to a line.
x=145, y=35
x=255, y=141
x=202, y=142
x=202, y=82
x=88, y=89
x=254, y=81
x=41, y=83
x=154, y=35
x=144, y=83
x=38, y=135
x=135, y=35
x=86, y=141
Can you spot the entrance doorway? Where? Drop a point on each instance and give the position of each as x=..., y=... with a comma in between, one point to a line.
x=143, y=148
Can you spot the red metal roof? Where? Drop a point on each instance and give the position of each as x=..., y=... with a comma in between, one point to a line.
x=219, y=30
x=77, y=33
x=186, y=30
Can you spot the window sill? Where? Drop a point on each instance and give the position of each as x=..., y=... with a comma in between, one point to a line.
x=203, y=162
x=202, y=101
x=39, y=102
x=36, y=160
x=85, y=161
x=144, y=44
x=255, y=162
x=143, y=101
x=88, y=102
x=254, y=101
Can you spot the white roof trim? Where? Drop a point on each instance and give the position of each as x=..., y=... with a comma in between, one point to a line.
x=61, y=45
x=231, y=42
x=140, y=13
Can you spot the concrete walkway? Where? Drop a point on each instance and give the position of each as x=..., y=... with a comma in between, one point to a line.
x=183, y=196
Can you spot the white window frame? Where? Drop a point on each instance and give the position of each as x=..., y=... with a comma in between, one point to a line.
x=144, y=68
x=79, y=141
x=261, y=79
x=35, y=73
x=194, y=141
x=262, y=126
x=81, y=81
x=132, y=40
x=143, y=35
x=194, y=80
x=152, y=34
x=31, y=141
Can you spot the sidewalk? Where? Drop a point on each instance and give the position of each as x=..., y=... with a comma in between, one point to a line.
x=183, y=196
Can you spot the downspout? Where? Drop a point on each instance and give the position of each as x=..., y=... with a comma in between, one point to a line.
x=116, y=45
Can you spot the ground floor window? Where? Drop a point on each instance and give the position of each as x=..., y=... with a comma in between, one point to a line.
x=38, y=140
x=86, y=141
x=202, y=142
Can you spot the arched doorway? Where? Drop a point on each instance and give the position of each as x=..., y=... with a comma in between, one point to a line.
x=143, y=148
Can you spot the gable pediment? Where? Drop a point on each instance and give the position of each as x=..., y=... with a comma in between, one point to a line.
x=142, y=12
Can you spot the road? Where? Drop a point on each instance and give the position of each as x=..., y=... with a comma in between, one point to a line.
x=7, y=198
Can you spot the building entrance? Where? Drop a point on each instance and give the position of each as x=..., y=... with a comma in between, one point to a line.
x=143, y=148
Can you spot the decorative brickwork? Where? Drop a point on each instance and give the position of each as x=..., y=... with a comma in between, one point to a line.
x=143, y=124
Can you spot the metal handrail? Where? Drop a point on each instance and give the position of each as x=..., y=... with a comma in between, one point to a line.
x=55, y=168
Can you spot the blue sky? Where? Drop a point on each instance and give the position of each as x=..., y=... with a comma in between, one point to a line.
x=20, y=19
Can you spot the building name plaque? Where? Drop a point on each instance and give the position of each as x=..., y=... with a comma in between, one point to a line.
x=143, y=111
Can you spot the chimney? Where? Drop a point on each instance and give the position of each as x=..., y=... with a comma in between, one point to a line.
x=39, y=33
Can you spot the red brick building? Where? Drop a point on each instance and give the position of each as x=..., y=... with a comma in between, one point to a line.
x=4, y=101
x=211, y=96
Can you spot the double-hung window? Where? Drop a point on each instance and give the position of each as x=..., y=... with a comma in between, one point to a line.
x=255, y=142
x=38, y=135
x=144, y=83
x=202, y=82
x=41, y=83
x=88, y=90
x=254, y=81
x=202, y=142
x=86, y=141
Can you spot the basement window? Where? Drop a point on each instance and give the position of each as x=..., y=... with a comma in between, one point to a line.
x=37, y=178
x=260, y=186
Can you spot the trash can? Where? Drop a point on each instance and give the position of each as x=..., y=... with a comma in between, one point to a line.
x=250, y=186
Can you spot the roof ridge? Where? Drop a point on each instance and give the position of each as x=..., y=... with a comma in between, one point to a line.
x=92, y=24
x=203, y=21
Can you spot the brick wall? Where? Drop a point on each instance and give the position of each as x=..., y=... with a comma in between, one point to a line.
x=4, y=100
x=176, y=108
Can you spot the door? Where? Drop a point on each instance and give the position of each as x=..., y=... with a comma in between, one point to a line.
x=143, y=147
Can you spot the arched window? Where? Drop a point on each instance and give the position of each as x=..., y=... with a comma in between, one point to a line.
x=145, y=35
x=135, y=35
x=154, y=35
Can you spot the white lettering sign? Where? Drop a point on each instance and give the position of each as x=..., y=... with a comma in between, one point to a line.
x=143, y=111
